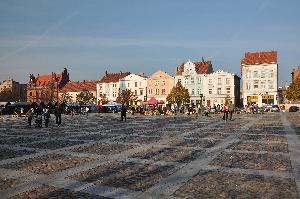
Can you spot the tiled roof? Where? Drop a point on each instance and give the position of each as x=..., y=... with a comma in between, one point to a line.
x=113, y=77
x=254, y=58
x=46, y=79
x=87, y=85
x=202, y=67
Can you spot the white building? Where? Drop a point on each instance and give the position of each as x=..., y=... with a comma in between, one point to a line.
x=191, y=75
x=109, y=86
x=260, y=78
x=137, y=84
x=220, y=86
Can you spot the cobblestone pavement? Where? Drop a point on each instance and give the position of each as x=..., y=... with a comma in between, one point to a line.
x=253, y=156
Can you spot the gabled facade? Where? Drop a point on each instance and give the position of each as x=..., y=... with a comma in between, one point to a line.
x=109, y=86
x=260, y=78
x=19, y=90
x=220, y=87
x=74, y=88
x=191, y=76
x=137, y=84
x=159, y=85
x=46, y=87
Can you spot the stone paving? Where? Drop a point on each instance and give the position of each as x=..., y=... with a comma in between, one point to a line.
x=253, y=156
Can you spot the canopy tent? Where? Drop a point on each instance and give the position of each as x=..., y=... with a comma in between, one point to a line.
x=153, y=101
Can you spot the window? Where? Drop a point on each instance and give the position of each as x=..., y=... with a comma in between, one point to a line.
x=140, y=83
x=193, y=91
x=114, y=94
x=186, y=80
x=30, y=93
x=219, y=81
x=128, y=84
x=248, y=74
x=157, y=91
x=141, y=92
x=192, y=80
x=271, y=74
x=255, y=74
x=199, y=80
x=114, y=85
x=135, y=92
x=271, y=85
x=210, y=81
x=199, y=91
x=219, y=91
x=227, y=81
x=179, y=80
x=210, y=91
x=135, y=84
x=263, y=74
x=150, y=91
x=255, y=86
x=163, y=82
x=248, y=86
x=228, y=90
x=163, y=91
x=263, y=84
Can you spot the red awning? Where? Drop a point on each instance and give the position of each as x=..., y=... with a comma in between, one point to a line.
x=152, y=101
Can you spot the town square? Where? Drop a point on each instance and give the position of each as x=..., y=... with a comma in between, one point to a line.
x=97, y=156
x=140, y=99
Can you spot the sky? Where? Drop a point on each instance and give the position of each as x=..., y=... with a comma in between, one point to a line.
x=142, y=36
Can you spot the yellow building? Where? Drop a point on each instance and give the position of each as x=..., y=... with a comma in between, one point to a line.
x=159, y=85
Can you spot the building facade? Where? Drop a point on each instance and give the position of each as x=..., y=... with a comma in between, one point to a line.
x=46, y=87
x=159, y=85
x=18, y=90
x=191, y=76
x=108, y=88
x=74, y=88
x=137, y=84
x=260, y=78
x=220, y=87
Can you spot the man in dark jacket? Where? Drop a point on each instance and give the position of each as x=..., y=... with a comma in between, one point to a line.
x=123, y=112
x=57, y=112
x=46, y=115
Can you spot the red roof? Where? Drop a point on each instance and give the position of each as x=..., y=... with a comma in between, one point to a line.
x=87, y=85
x=113, y=77
x=259, y=58
x=46, y=79
x=203, y=67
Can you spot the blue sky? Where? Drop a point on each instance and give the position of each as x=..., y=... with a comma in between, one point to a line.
x=91, y=36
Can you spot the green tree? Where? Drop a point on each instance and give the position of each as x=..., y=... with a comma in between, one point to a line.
x=85, y=97
x=66, y=97
x=126, y=97
x=293, y=91
x=179, y=95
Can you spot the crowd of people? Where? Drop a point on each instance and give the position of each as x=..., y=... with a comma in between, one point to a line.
x=41, y=113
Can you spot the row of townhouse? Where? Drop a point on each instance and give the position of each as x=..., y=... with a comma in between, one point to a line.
x=204, y=85
x=259, y=72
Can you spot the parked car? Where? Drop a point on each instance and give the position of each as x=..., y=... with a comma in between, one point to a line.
x=294, y=109
x=275, y=108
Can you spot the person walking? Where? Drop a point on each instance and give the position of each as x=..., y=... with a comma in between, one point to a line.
x=123, y=112
x=225, y=112
x=46, y=115
x=230, y=109
x=30, y=115
x=57, y=113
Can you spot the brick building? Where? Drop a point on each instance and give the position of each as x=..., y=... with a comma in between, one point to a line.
x=46, y=87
